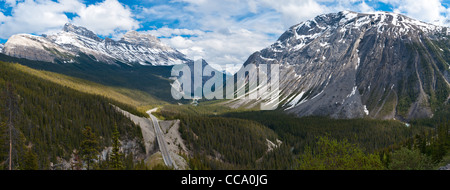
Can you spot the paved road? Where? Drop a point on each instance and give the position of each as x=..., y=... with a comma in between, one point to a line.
x=161, y=141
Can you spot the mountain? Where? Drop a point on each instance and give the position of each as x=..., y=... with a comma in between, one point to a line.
x=1, y=47
x=352, y=65
x=73, y=41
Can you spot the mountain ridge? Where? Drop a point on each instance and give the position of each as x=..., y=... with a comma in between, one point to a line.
x=67, y=45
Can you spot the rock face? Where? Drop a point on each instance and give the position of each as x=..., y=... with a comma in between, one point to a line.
x=353, y=65
x=72, y=41
x=447, y=167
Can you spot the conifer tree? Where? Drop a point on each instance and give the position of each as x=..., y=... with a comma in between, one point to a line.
x=116, y=156
x=89, y=146
x=30, y=160
x=10, y=109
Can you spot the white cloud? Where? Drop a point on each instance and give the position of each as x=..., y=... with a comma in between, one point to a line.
x=294, y=11
x=106, y=18
x=169, y=32
x=363, y=7
x=222, y=32
x=11, y=3
x=226, y=46
x=233, y=29
x=2, y=18
x=223, y=22
x=37, y=16
x=431, y=11
x=43, y=16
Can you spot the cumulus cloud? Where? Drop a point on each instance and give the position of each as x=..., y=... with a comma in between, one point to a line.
x=293, y=11
x=106, y=18
x=431, y=11
x=169, y=32
x=217, y=47
x=37, y=16
x=230, y=30
x=10, y=3
x=43, y=16
x=226, y=32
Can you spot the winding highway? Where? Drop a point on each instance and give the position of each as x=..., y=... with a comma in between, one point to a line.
x=161, y=141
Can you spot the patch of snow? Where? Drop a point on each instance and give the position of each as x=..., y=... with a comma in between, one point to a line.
x=348, y=16
x=318, y=94
x=357, y=65
x=362, y=21
x=324, y=44
x=394, y=19
x=267, y=59
x=294, y=101
x=353, y=92
x=299, y=46
x=365, y=110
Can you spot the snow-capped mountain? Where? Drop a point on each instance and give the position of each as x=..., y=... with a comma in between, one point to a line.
x=349, y=65
x=66, y=45
x=1, y=47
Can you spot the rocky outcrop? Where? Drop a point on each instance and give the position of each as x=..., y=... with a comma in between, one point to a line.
x=447, y=167
x=34, y=48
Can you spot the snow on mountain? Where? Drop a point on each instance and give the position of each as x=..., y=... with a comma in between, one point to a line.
x=66, y=45
x=338, y=64
x=1, y=47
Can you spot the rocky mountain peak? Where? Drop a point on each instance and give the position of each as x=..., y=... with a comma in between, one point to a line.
x=349, y=65
x=142, y=39
x=79, y=30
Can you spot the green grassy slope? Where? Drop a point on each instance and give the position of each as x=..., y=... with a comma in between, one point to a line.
x=151, y=82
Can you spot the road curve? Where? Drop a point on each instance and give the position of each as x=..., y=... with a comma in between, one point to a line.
x=161, y=141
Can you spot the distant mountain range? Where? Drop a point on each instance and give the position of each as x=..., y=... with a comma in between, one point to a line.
x=67, y=46
x=137, y=61
x=352, y=65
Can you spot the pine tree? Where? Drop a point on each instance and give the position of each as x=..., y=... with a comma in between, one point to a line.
x=11, y=111
x=116, y=156
x=89, y=146
x=30, y=160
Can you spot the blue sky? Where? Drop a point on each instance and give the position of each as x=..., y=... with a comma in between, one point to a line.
x=221, y=31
